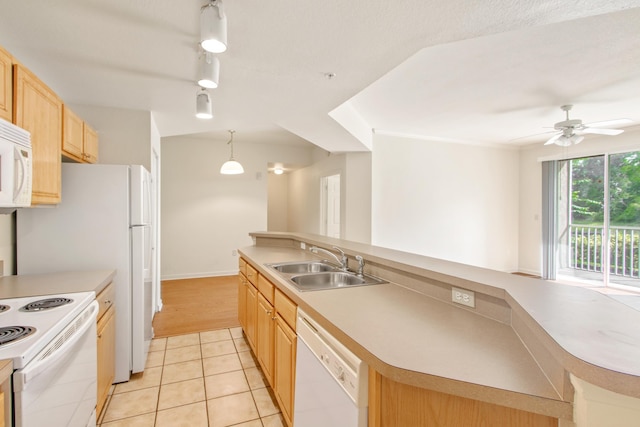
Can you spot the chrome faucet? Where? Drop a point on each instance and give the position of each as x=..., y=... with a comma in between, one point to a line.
x=360, y=260
x=342, y=260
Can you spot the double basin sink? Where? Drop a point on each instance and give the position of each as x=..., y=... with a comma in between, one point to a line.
x=320, y=275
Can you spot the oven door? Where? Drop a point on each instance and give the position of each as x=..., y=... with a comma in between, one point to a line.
x=59, y=386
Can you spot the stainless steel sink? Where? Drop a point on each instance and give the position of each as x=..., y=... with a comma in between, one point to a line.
x=303, y=267
x=329, y=280
x=320, y=275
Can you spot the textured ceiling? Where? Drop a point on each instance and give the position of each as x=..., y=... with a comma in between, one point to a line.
x=481, y=72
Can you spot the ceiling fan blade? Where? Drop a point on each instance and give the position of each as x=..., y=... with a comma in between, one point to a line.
x=602, y=131
x=607, y=123
x=553, y=139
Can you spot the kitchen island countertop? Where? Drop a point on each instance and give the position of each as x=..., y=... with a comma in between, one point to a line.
x=521, y=359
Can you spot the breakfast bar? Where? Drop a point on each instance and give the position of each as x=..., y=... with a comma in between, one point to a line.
x=525, y=345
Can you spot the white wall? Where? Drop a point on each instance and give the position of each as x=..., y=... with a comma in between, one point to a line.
x=206, y=215
x=355, y=195
x=7, y=244
x=530, y=209
x=445, y=200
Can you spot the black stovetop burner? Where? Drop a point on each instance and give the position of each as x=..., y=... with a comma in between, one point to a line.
x=10, y=334
x=46, y=304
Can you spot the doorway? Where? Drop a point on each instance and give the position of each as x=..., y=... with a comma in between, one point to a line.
x=330, y=206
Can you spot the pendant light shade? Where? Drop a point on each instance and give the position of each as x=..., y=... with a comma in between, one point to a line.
x=204, y=110
x=208, y=70
x=231, y=167
x=213, y=27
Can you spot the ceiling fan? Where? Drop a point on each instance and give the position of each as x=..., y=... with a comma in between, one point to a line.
x=571, y=131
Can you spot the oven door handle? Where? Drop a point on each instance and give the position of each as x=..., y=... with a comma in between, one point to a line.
x=57, y=348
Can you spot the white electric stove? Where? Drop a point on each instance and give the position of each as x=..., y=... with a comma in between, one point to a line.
x=52, y=343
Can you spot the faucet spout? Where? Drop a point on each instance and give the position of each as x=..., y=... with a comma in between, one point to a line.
x=342, y=259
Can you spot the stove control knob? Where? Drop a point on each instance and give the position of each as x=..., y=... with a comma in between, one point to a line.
x=340, y=374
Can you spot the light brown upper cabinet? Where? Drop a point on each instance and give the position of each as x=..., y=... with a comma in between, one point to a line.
x=6, y=86
x=80, y=141
x=37, y=109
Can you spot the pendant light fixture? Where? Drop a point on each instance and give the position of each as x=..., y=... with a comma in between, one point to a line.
x=231, y=167
x=208, y=70
x=213, y=27
x=204, y=110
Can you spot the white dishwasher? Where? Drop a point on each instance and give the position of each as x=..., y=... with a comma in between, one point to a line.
x=331, y=381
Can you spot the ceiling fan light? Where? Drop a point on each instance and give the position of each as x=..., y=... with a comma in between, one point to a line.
x=209, y=71
x=278, y=171
x=213, y=27
x=576, y=139
x=204, y=109
x=563, y=141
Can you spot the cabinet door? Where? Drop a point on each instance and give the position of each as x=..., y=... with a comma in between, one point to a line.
x=6, y=86
x=90, y=145
x=242, y=301
x=285, y=368
x=265, y=332
x=106, y=356
x=73, y=134
x=39, y=110
x=252, y=310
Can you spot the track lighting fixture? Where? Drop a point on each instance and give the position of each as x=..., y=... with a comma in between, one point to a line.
x=231, y=167
x=204, y=110
x=208, y=70
x=213, y=27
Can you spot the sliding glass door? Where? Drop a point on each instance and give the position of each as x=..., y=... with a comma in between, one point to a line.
x=597, y=219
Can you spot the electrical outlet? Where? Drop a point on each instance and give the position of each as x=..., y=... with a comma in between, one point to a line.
x=463, y=296
x=234, y=252
x=303, y=246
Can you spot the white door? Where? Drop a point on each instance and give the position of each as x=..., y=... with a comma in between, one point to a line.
x=330, y=190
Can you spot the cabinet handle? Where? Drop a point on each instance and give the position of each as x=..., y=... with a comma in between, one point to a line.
x=268, y=311
x=107, y=301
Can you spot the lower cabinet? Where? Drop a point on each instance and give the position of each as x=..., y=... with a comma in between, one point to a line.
x=106, y=345
x=242, y=300
x=265, y=331
x=252, y=311
x=268, y=317
x=285, y=368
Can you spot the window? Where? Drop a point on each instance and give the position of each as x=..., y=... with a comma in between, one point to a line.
x=594, y=219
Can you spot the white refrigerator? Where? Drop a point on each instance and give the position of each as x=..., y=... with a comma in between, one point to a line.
x=102, y=222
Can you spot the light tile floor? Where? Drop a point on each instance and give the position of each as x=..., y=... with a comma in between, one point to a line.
x=208, y=379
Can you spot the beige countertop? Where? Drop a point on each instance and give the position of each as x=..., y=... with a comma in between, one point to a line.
x=54, y=283
x=519, y=358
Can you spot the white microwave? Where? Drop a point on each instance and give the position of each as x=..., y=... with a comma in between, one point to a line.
x=15, y=167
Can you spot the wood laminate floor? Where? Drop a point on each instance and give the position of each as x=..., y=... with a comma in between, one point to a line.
x=197, y=305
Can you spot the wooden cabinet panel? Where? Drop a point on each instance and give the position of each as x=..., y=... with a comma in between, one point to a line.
x=392, y=404
x=266, y=288
x=106, y=356
x=79, y=141
x=252, y=275
x=286, y=309
x=265, y=333
x=90, y=144
x=6, y=86
x=285, y=368
x=252, y=310
x=105, y=298
x=73, y=134
x=38, y=110
x=242, y=301
x=242, y=266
